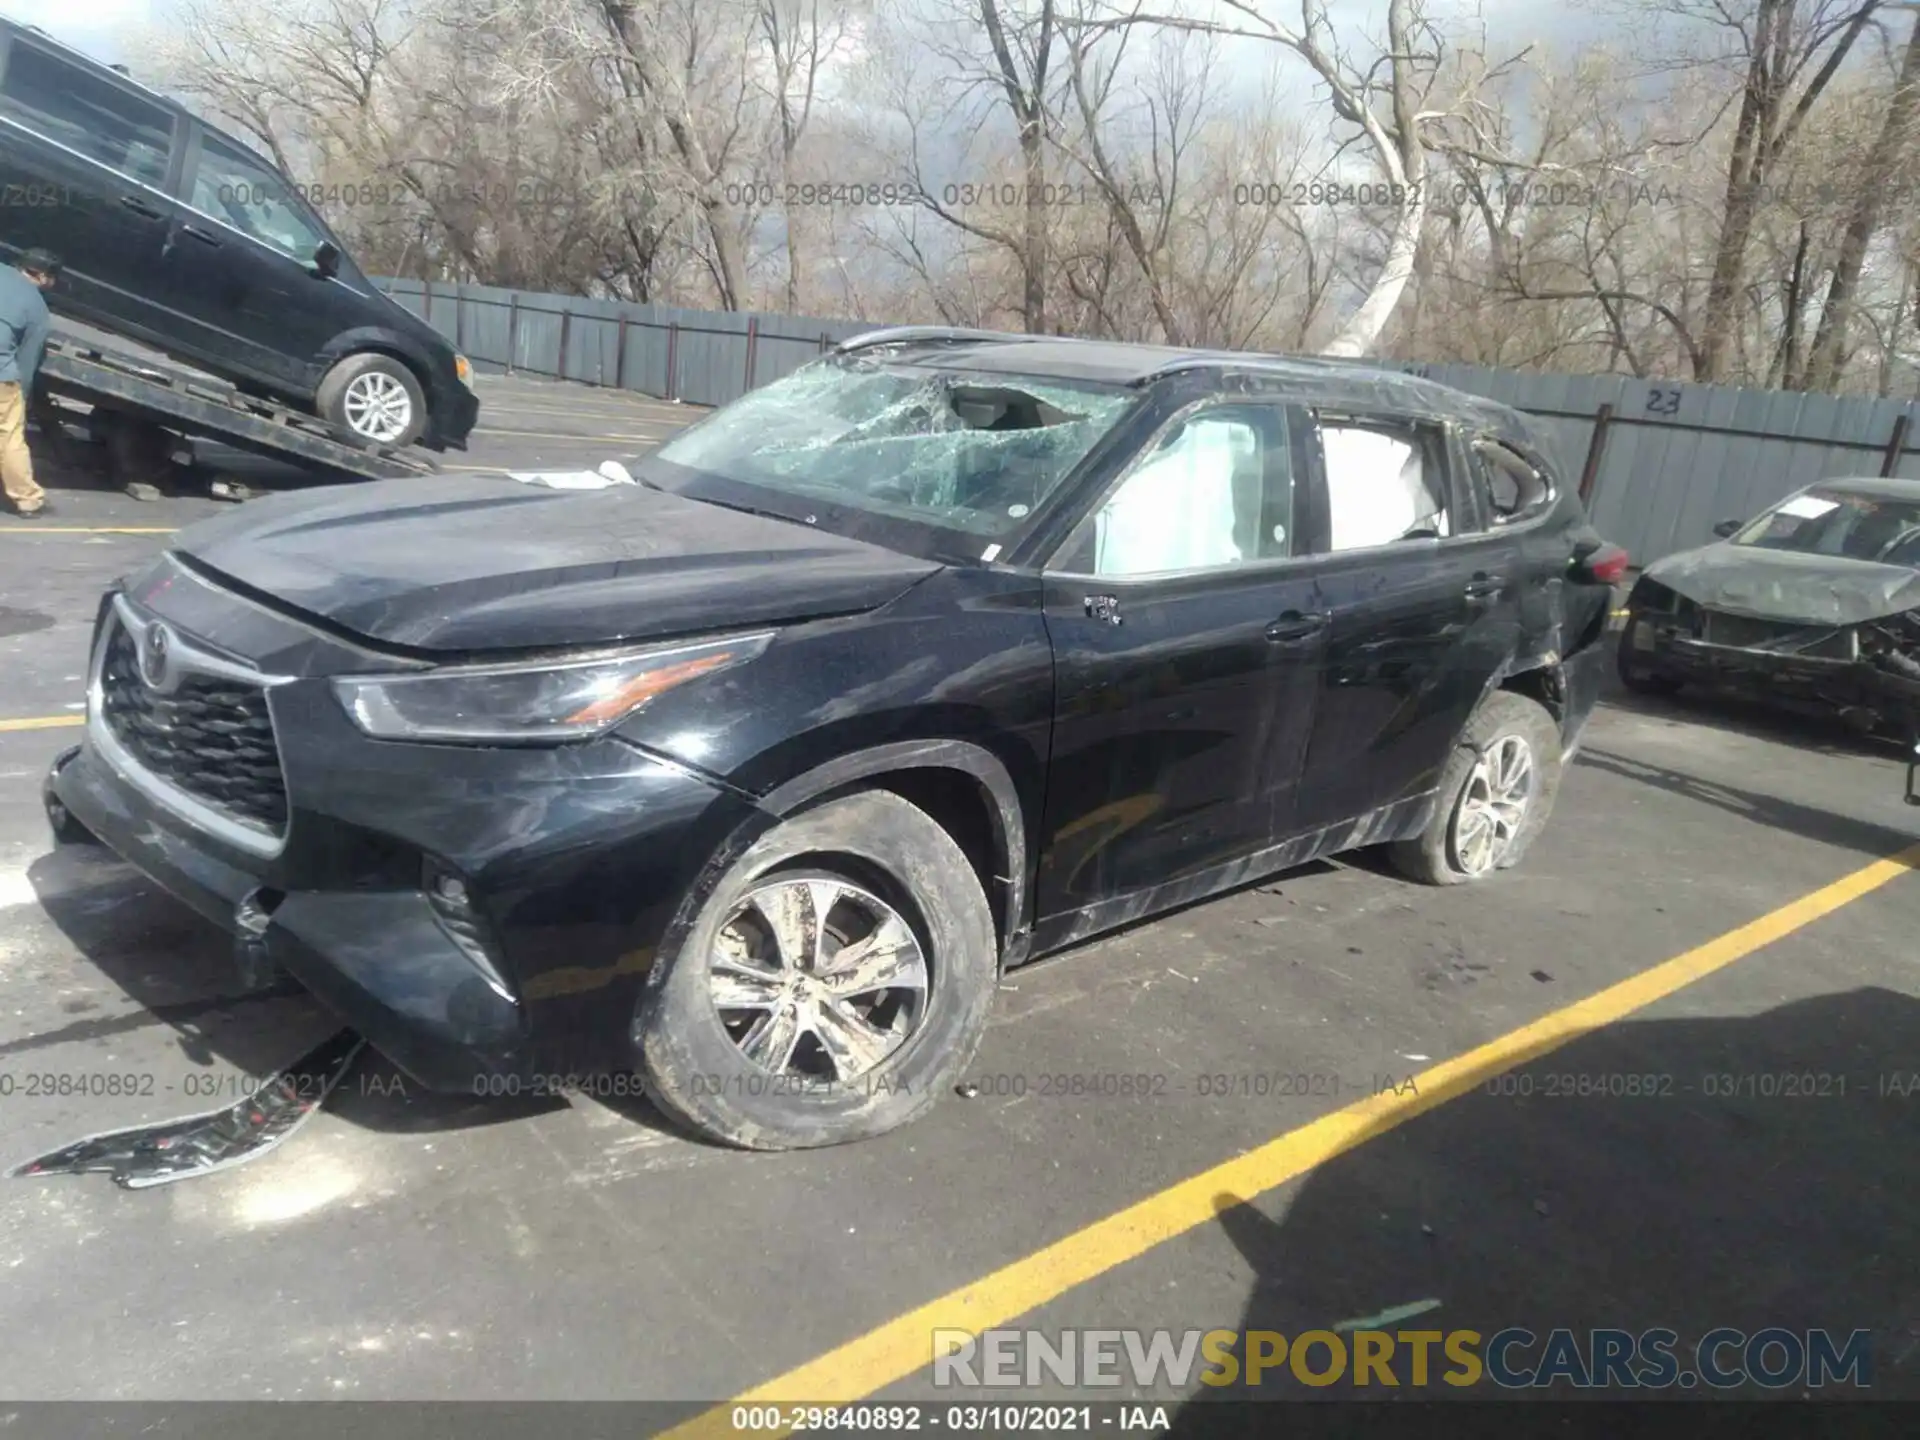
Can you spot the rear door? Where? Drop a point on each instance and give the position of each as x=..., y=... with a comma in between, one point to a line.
x=1186, y=657
x=84, y=165
x=239, y=267
x=1423, y=606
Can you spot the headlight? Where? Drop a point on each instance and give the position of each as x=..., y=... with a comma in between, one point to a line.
x=538, y=703
x=463, y=368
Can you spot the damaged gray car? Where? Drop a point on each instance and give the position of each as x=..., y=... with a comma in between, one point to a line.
x=1814, y=601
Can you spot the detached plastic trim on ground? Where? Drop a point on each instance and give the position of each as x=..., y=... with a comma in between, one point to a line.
x=147, y=1155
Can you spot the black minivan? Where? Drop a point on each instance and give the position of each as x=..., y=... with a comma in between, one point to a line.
x=179, y=236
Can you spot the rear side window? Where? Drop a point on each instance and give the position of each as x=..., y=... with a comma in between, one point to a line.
x=1515, y=489
x=254, y=199
x=78, y=109
x=1386, y=483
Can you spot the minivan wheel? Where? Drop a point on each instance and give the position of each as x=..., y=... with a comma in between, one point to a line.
x=1496, y=793
x=834, y=984
x=374, y=399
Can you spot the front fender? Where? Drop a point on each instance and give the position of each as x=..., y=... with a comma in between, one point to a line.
x=981, y=764
x=380, y=337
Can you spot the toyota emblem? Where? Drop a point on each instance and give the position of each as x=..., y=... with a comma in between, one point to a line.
x=154, y=654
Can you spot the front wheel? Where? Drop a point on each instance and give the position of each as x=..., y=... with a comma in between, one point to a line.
x=1496, y=793
x=836, y=981
x=374, y=400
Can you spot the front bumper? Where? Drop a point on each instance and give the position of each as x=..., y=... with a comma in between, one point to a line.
x=1825, y=681
x=456, y=410
x=573, y=860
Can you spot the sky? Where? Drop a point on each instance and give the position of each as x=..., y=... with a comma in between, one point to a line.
x=102, y=28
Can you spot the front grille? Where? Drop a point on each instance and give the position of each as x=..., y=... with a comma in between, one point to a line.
x=211, y=737
x=1748, y=633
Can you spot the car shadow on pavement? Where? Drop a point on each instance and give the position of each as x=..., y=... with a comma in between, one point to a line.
x=169, y=962
x=1746, y=1172
x=177, y=969
x=1806, y=821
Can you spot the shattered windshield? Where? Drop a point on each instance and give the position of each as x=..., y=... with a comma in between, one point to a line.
x=1843, y=523
x=960, y=451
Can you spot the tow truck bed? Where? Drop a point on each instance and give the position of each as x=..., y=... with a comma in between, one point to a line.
x=190, y=404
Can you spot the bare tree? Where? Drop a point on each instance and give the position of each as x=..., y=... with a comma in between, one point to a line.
x=1786, y=53
x=1398, y=111
x=1897, y=135
x=800, y=38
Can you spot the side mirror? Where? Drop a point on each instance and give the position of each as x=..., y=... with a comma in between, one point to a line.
x=1728, y=528
x=326, y=260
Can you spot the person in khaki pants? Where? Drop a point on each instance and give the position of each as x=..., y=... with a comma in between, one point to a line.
x=23, y=340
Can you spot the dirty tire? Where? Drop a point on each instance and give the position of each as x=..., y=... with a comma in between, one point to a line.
x=892, y=849
x=1635, y=676
x=1428, y=856
x=331, y=400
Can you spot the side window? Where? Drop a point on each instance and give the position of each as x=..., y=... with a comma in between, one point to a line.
x=254, y=198
x=1214, y=491
x=78, y=109
x=1385, y=483
x=1515, y=488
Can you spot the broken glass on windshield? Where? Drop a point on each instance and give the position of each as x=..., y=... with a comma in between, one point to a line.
x=975, y=453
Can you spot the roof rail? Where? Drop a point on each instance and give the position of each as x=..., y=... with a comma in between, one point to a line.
x=907, y=334
x=78, y=54
x=1254, y=360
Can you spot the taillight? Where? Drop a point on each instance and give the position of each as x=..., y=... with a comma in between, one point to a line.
x=1605, y=566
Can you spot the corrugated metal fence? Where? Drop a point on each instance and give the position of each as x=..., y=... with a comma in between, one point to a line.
x=1660, y=461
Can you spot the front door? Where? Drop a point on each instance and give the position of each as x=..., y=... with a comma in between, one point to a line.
x=239, y=271
x=1186, y=652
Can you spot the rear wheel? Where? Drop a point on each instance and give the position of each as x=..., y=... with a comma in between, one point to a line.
x=375, y=400
x=1496, y=794
x=834, y=984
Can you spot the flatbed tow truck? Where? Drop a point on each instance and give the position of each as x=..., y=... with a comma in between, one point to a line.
x=136, y=404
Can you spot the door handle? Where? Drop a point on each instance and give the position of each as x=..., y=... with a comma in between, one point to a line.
x=1102, y=607
x=141, y=208
x=1297, y=625
x=202, y=236
x=1486, y=587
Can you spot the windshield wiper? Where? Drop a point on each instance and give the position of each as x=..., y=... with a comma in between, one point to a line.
x=745, y=509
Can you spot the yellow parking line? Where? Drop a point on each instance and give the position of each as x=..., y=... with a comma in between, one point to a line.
x=31, y=529
x=902, y=1347
x=44, y=722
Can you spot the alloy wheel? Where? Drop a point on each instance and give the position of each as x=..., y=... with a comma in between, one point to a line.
x=378, y=407
x=1493, y=806
x=818, y=978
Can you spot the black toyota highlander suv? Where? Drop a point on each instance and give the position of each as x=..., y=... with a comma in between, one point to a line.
x=754, y=773
x=177, y=235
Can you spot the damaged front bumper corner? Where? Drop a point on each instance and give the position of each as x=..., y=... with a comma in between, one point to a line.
x=1862, y=670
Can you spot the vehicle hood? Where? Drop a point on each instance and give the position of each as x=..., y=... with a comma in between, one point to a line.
x=1787, y=585
x=487, y=563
